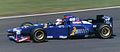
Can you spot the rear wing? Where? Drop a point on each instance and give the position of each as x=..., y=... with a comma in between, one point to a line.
x=105, y=19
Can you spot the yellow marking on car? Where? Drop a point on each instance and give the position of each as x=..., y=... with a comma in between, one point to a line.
x=73, y=31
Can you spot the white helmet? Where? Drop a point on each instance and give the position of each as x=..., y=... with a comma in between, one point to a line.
x=59, y=20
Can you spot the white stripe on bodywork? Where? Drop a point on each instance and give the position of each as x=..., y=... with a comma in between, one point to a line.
x=62, y=36
x=49, y=36
x=85, y=22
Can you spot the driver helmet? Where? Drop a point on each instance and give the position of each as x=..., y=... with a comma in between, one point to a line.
x=59, y=20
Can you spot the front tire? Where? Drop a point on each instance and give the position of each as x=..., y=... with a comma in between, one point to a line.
x=38, y=35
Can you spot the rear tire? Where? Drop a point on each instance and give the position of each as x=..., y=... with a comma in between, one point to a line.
x=38, y=35
x=104, y=31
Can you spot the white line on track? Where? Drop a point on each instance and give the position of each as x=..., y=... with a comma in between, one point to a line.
x=59, y=12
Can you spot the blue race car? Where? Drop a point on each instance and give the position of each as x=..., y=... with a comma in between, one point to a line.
x=68, y=27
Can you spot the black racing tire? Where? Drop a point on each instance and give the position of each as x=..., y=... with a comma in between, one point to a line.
x=27, y=24
x=104, y=31
x=38, y=35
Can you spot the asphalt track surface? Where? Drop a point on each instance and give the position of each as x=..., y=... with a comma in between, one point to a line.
x=76, y=45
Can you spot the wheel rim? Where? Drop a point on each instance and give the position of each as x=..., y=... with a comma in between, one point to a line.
x=105, y=31
x=39, y=35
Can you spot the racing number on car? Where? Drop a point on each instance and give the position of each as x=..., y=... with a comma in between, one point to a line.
x=73, y=31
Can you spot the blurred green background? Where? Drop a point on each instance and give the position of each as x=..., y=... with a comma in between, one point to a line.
x=21, y=7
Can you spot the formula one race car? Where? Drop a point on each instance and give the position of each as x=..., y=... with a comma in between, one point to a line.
x=68, y=27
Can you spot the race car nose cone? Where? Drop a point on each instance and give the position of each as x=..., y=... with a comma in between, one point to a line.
x=10, y=31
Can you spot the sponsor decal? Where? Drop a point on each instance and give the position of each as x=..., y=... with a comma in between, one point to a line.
x=73, y=31
x=76, y=22
x=107, y=19
x=81, y=31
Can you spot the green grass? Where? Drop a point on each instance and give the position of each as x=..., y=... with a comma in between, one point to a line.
x=20, y=7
